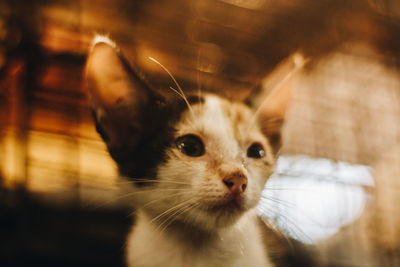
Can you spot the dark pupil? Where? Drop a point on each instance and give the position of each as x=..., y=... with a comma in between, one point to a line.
x=190, y=145
x=255, y=151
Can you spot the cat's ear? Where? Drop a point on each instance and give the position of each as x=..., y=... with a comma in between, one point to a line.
x=271, y=99
x=119, y=98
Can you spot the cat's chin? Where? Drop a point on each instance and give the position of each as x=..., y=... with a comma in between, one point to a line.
x=220, y=216
x=228, y=208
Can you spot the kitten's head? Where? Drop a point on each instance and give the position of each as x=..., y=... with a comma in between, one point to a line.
x=204, y=162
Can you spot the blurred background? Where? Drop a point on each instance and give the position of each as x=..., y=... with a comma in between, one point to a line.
x=336, y=189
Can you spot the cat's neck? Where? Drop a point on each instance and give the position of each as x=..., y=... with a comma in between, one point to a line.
x=192, y=235
x=189, y=234
x=237, y=244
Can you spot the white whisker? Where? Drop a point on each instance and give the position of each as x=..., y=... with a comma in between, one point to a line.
x=199, y=79
x=143, y=180
x=166, y=197
x=279, y=201
x=170, y=209
x=290, y=226
x=145, y=191
x=180, y=93
x=177, y=213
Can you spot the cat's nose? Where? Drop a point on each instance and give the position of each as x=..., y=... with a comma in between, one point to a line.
x=236, y=182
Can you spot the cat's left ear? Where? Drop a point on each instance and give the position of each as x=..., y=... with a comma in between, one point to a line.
x=121, y=102
x=272, y=98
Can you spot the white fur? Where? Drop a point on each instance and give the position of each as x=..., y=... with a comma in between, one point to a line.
x=237, y=246
x=103, y=39
x=188, y=186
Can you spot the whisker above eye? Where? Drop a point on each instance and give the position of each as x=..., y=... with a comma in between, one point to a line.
x=180, y=92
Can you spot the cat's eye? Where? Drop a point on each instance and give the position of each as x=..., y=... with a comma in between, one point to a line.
x=255, y=151
x=190, y=145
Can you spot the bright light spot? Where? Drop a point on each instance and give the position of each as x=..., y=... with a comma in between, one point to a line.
x=311, y=199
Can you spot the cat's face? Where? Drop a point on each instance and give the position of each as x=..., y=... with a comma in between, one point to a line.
x=215, y=168
x=203, y=164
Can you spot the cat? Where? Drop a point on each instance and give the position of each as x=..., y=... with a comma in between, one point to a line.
x=198, y=164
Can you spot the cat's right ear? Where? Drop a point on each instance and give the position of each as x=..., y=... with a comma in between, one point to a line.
x=271, y=100
x=119, y=98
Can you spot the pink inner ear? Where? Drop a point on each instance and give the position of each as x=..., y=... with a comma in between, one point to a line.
x=272, y=109
x=118, y=96
x=108, y=80
x=275, y=105
x=272, y=129
x=273, y=99
x=271, y=113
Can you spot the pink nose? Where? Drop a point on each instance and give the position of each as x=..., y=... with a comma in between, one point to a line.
x=236, y=182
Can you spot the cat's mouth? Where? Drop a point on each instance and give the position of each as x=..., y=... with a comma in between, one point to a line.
x=232, y=204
